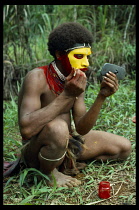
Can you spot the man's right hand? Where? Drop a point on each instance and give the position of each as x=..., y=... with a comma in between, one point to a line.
x=75, y=83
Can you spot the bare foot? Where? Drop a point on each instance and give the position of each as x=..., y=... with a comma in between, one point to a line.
x=63, y=180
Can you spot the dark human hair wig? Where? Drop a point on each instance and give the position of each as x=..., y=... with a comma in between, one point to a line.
x=66, y=35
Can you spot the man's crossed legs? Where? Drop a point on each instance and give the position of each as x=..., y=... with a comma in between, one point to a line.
x=46, y=151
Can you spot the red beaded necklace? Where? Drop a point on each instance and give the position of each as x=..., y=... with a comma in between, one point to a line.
x=56, y=85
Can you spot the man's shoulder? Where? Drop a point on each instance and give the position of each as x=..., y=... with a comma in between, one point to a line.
x=36, y=72
x=35, y=77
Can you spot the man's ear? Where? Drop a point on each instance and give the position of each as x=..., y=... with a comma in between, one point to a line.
x=58, y=54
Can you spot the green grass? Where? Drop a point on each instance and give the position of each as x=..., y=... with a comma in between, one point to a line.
x=115, y=116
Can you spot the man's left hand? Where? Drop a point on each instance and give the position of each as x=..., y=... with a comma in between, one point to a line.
x=109, y=84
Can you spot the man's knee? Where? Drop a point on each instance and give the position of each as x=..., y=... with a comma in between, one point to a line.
x=125, y=145
x=126, y=149
x=56, y=133
x=57, y=125
x=123, y=149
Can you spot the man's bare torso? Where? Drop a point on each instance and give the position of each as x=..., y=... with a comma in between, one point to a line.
x=46, y=95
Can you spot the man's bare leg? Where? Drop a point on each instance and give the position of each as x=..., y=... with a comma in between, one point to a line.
x=46, y=152
x=104, y=146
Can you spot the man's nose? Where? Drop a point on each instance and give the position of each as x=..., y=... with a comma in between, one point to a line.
x=85, y=62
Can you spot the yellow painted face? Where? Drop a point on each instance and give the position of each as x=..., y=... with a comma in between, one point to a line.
x=78, y=58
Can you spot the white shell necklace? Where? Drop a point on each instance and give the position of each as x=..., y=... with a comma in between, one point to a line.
x=61, y=76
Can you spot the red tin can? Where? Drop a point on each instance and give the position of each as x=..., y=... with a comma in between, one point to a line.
x=104, y=189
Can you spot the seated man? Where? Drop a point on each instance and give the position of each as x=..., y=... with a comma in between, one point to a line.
x=53, y=94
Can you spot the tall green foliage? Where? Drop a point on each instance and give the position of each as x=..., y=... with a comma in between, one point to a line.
x=26, y=28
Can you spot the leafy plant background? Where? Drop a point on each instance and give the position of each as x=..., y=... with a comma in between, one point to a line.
x=26, y=30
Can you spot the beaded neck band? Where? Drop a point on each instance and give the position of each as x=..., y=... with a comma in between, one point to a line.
x=61, y=76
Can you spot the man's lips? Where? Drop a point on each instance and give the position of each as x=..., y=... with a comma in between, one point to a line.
x=84, y=69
